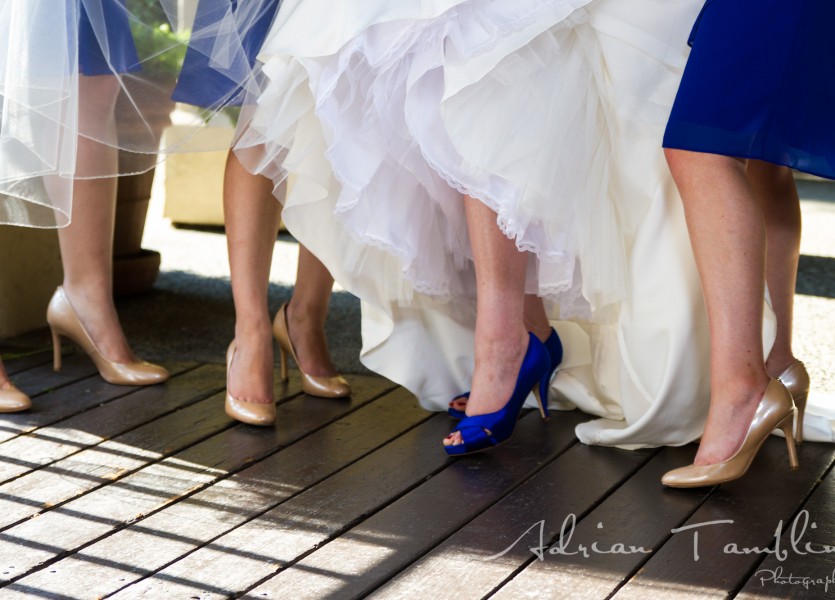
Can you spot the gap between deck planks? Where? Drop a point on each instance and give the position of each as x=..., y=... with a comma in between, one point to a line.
x=178, y=430
x=104, y=411
x=154, y=493
x=795, y=575
x=198, y=521
x=382, y=545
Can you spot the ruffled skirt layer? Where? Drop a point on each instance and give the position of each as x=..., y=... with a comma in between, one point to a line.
x=549, y=112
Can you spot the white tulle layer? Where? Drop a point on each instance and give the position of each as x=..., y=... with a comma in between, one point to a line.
x=57, y=119
x=509, y=103
x=376, y=108
x=551, y=112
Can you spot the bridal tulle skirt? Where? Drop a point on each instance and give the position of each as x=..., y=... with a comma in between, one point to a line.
x=60, y=62
x=549, y=112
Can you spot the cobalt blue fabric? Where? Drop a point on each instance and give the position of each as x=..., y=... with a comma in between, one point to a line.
x=203, y=80
x=108, y=47
x=760, y=84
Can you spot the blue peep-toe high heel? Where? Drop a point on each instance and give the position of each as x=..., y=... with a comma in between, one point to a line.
x=482, y=432
x=554, y=346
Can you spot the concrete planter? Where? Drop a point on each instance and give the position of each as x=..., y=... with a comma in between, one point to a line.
x=194, y=180
x=31, y=271
x=135, y=269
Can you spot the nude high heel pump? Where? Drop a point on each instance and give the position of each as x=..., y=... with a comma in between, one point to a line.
x=63, y=321
x=251, y=413
x=796, y=380
x=325, y=387
x=776, y=410
x=12, y=400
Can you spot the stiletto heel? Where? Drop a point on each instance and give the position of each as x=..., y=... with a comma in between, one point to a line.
x=800, y=403
x=796, y=380
x=251, y=413
x=56, y=350
x=482, y=432
x=63, y=320
x=775, y=411
x=325, y=387
x=283, y=360
x=542, y=396
x=555, y=352
x=787, y=425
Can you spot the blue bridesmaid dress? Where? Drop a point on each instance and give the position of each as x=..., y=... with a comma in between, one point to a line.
x=106, y=47
x=212, y=75
x=760, y=84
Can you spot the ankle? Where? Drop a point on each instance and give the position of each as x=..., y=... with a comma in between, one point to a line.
x=542, y=332
x=740, y=391
x=253, y=329
x=777, y=363
x=304, y=316
x=496, y=344
x=97, y=293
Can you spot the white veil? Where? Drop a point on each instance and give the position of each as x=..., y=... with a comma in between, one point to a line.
x=60, y=62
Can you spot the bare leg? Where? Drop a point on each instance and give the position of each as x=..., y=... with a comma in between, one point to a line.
x=536, y=321
x=774, y=185
x=252, y=217
x=87, y=243
x=728, y=235
x=306, y=315
x=5, y=382
x=500, y=336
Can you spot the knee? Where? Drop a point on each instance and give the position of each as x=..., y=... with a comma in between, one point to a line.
x=99, y=92
x=770, y=174
x=685, y=163
x=676, y=159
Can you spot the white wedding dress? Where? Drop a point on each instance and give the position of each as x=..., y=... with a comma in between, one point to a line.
x=549, y=111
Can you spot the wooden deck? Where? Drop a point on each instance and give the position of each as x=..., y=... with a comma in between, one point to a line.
x=123, y=492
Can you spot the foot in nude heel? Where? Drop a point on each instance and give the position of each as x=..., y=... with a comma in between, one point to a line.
x=251, y=413
x=775, y=411
x=64, y=321
x=325, y=387
x=12, y=400
x=796, y=380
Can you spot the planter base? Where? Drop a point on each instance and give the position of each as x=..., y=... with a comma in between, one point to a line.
x=136, y=273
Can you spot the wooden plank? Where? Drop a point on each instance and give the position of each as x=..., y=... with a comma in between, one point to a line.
x=747, y=512
x=483, y=554
x=16, y=360
x=639, y=514
x=75, y=367
x=107, y=461
x=36, y=543
x=373, y=551
x=797, y=572
x=78, y=391
x=242, y=557
x=127, y=555
x=115, y=414
x=42, y=381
